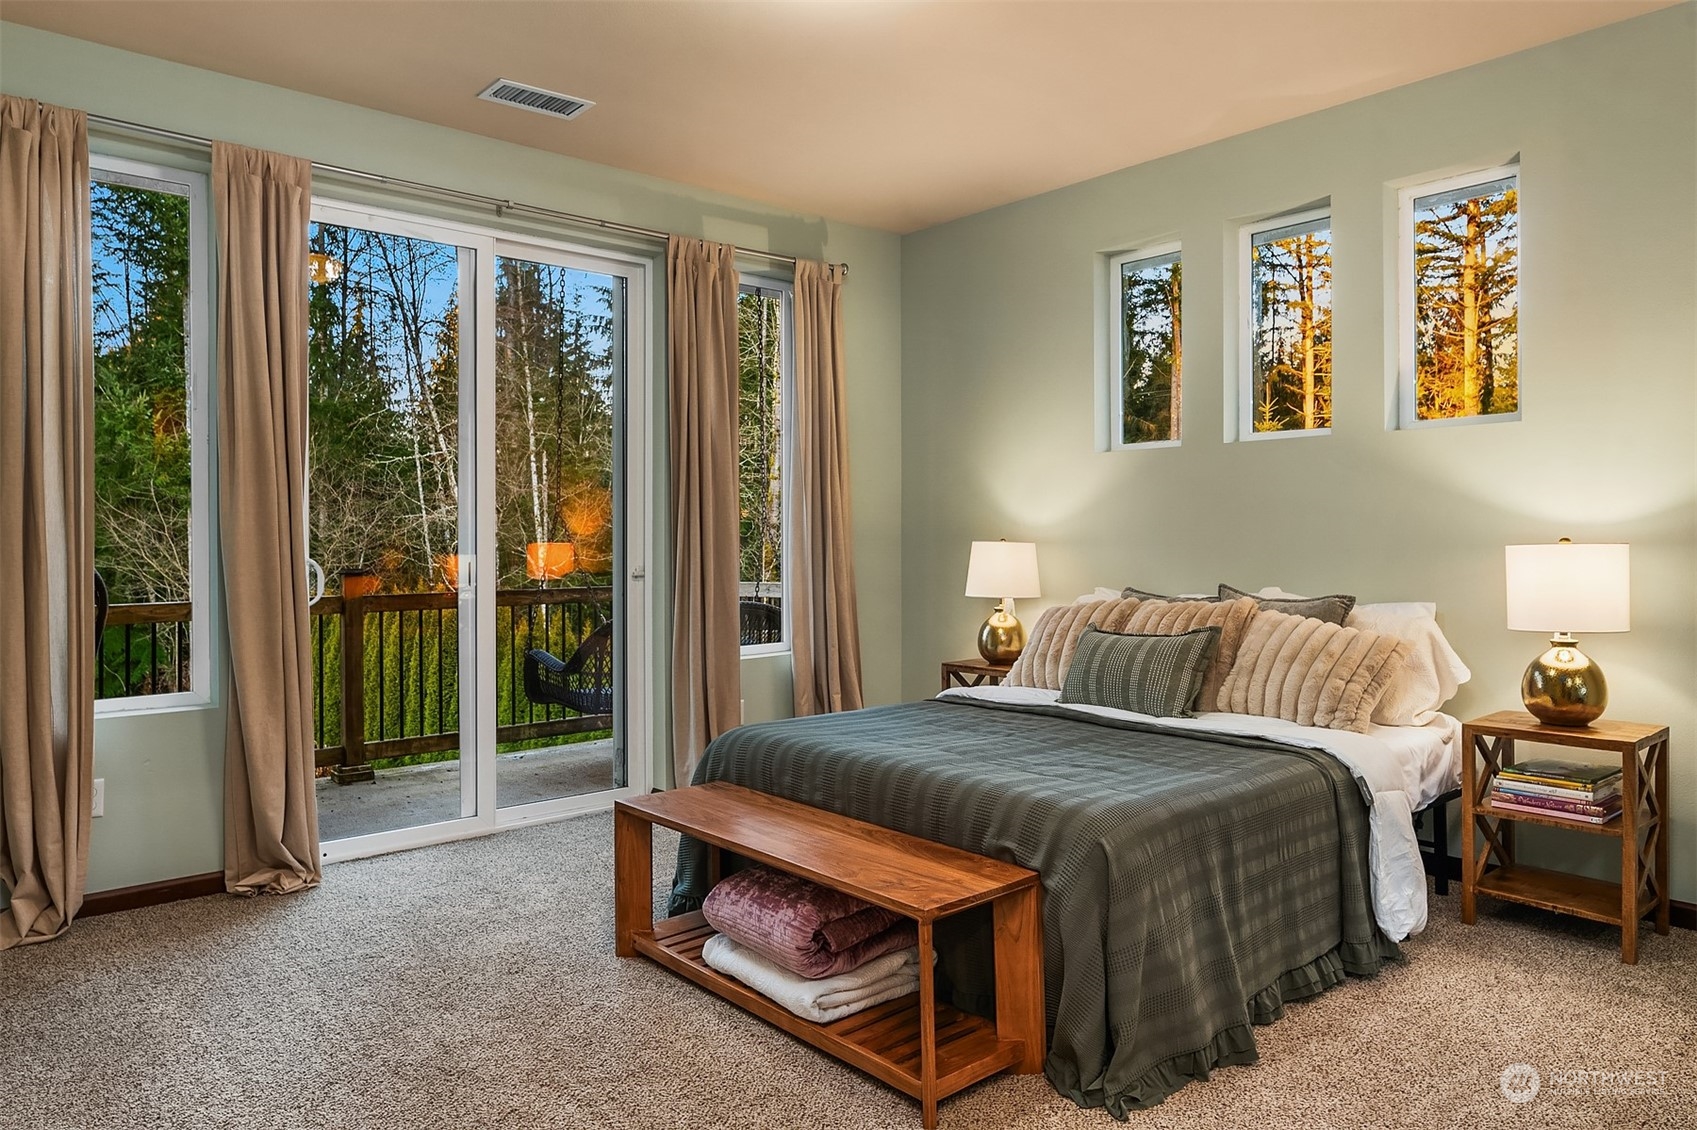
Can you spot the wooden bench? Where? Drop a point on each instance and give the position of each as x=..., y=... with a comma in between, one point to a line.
x=923, y=1048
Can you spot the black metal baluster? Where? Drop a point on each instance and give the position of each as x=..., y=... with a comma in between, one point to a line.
x=401, y=672
x=317, y=682
x=382, y=679
x=530, y=639
x=512, y=664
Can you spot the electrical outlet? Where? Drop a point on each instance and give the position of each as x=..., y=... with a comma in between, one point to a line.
x=99, y=791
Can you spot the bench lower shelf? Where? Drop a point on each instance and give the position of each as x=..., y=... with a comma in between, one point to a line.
x=882, y=1041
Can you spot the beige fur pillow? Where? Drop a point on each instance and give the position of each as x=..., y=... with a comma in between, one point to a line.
x=1312, y=673
x=1050, y=647
x=1175, y=617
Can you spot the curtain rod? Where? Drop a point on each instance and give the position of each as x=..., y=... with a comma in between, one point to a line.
x=494, y=202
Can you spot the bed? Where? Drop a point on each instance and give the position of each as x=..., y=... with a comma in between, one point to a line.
x=1198, y=873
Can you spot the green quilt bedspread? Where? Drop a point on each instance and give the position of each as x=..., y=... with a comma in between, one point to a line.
x=1191, y=884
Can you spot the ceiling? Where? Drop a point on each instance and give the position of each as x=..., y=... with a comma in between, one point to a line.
x=893, y=115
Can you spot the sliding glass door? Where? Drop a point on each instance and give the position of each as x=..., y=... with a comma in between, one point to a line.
x=559, y=375
x=471, y=516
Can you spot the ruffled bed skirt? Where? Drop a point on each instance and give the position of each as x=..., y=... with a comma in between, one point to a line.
x=1236, y=1044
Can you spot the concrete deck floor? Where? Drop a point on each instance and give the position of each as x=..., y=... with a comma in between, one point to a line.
x=415, y=795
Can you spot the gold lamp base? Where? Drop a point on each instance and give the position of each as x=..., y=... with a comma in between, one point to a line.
x=1563, y=687
x=1002, y=637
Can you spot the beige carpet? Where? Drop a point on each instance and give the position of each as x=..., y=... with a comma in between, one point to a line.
x=473, y=985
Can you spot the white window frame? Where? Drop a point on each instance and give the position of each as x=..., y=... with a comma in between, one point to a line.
x=1406, y=297
x=202, y=665
x=785, y=292
x=634, y=438
x=1246, y=324
x=1114, y=331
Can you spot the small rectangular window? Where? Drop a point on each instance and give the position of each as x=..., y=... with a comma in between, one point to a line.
x=1287, y=355
x=150, y=283
x=763, y=398
x=1461, y=300
x=1146, y=345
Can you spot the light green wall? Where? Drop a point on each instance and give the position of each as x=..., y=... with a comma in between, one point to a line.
x=999, y=356
x=992, y=319
x=163, y=772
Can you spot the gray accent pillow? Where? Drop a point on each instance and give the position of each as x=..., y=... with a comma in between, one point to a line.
x=1139, y=594
x=1332, y=609
x=1156, y=675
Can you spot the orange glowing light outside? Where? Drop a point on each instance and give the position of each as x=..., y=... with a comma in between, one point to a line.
x=549, y=560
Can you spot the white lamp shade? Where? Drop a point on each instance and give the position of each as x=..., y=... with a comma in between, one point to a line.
x=1003, y=569
x=1569, y=588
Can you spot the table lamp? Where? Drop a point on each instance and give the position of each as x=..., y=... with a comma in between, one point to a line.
x=1563, y=589
x=1002, y=571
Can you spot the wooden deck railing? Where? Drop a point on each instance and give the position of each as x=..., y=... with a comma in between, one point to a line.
x=145, y=650
x=386, y=672
x=385, y=668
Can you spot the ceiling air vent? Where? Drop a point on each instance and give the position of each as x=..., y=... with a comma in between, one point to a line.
x=512, y=93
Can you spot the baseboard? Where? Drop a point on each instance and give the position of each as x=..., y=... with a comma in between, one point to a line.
x=1682, y=914
x=151, y=894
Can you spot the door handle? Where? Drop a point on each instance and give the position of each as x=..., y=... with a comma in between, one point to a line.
x=316, y=588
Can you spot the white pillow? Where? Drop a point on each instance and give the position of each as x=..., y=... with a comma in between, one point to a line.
x=1099, y=594
x=1433, y=672
x=1117, y=594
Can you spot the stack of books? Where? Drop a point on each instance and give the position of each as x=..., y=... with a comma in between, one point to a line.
x=1563, y=790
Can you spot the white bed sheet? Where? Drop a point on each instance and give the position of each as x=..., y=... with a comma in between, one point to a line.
x=1404, y=768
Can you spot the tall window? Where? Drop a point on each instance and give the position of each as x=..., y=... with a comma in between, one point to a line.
x=1145, y=343
x=150, y=293
x=1287, y=362
x=1461, y=302
x=762, y=405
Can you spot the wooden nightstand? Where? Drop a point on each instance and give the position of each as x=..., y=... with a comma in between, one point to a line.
x=1641, y=827
x=973, y=673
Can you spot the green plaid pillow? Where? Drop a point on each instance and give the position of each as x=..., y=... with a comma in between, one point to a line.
x=1156, y=675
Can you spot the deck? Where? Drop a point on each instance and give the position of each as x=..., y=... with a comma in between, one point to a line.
x=427, y=794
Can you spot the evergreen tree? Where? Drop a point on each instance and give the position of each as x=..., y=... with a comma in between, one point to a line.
x=140, y=263
x=760, y=410
x=1291, y=279
x=1467, y=277
x=1152, y=351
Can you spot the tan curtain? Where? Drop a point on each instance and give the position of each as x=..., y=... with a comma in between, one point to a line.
x=263, y=201
x=701, y=358
x=46, y=518
x=825, y=627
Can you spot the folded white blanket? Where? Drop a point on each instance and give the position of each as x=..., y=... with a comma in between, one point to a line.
x=827, y=999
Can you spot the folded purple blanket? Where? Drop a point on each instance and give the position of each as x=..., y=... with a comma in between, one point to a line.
x=802, y=926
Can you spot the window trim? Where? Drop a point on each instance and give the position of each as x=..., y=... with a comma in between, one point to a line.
x=1114, y=329
x=1246, y=324
x=203, y=667
x=1406, y=420
x=784, y=291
